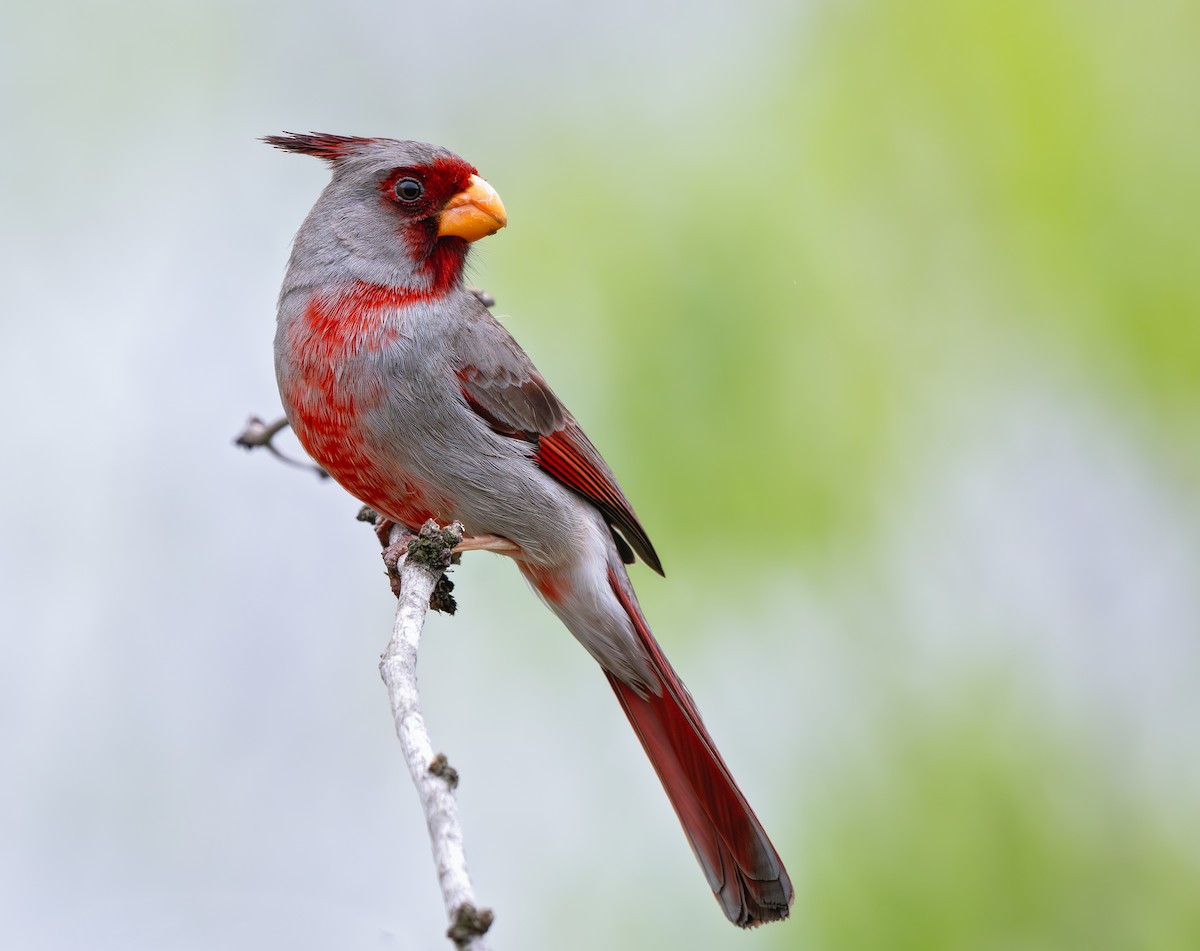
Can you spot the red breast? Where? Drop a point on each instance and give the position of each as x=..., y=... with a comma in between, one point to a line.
x=327, y=405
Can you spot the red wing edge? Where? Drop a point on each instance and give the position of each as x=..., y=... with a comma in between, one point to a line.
x=565, y=453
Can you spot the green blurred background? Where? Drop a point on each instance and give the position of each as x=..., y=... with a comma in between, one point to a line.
x=886, y=314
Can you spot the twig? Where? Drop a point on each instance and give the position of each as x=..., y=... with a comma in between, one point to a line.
x=484, y=297
x=419, y=562
x=416, y=568
x=258, y=434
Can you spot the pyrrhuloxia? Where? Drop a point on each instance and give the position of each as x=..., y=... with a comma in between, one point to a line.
x=404, y=387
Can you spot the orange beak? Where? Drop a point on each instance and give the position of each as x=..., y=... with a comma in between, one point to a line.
x=474, y=213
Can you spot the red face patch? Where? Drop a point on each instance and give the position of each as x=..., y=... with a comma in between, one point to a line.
x=422, y=190
x=416, y=194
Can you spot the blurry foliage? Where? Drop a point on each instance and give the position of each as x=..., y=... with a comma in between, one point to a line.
x=1048, y=149
x=947, y=196
x=982, y=830
x=944, y=184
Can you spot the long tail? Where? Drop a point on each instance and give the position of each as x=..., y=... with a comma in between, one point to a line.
x=742, y=866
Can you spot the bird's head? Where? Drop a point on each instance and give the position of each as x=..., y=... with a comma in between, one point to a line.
x=399, y=214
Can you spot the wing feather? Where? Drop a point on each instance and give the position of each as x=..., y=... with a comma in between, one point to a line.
x=515, y=401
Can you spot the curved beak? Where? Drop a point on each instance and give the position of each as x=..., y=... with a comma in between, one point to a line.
x=473, y=213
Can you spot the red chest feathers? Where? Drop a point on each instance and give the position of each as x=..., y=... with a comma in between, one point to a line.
x=331, y=382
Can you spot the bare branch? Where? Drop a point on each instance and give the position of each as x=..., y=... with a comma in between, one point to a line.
x=484, y=297
x=260, y=435
x=416, y=568
x=383, y=528
x=419, y=562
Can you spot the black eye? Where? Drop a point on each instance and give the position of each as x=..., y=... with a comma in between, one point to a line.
x=409, y=189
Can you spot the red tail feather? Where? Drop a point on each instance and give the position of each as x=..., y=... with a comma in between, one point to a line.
x=742, y=867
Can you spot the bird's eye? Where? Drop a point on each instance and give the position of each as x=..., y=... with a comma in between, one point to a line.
x=409, y=189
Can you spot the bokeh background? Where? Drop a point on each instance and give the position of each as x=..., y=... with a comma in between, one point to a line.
x=886, y=313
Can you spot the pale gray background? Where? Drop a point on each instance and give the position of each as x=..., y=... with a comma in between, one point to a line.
x=195, y=748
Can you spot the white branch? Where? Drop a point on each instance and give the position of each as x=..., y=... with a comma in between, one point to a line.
x=433, y=777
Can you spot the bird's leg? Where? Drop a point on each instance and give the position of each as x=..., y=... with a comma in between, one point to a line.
x=394, y=539
x=381, y=524
x=487, y=543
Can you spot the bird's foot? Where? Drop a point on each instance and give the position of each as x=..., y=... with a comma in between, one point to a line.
x=494, y=543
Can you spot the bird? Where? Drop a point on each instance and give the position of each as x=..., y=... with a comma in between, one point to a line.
x=402, y=385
